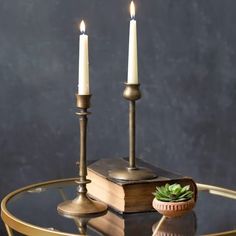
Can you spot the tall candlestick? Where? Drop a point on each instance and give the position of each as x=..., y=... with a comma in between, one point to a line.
x=132, y=93
x=83, y=86
x=133, y=55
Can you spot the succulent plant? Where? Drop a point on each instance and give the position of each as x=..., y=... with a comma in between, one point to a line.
x=173, y=193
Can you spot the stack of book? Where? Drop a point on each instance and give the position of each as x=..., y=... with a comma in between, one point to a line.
x=129, y=196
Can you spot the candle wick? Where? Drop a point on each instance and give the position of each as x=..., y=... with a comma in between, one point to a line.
x=133, y=18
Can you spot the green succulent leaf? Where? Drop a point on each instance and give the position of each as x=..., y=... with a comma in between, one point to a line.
x=164, y=199
x=180, y=200
x=185, y=188
x=167, y=186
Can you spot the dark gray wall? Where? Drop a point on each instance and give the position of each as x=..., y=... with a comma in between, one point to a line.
x=186, y=118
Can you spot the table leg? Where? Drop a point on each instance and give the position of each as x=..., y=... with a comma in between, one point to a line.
x=159, y=225
x=9, y=230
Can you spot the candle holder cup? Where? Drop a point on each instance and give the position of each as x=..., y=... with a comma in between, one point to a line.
x=82, y=205
x=132, y=172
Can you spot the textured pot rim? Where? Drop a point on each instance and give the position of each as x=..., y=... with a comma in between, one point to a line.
x=174, y=203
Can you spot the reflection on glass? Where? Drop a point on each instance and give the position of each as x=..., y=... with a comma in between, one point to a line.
x=36, y=190
x=81, y=222
x=185, y=225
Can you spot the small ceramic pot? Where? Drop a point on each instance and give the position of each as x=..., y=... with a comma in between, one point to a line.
x=173, y=209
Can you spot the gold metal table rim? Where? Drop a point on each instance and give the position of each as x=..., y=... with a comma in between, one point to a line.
x=20, y=226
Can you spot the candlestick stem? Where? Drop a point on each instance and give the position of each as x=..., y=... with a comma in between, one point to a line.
x=83, y=138
x=132, y=134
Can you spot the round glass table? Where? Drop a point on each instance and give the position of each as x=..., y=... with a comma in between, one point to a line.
x=33, y=211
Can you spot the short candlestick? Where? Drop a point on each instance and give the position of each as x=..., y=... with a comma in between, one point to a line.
x=82, y=205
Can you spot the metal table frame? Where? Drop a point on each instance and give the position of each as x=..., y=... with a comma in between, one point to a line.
x=13, y=223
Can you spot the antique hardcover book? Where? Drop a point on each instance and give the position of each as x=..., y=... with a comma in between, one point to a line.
x=129, y=196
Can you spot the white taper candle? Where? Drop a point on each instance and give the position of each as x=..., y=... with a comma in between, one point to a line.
x=133, y=55
x=83, y=85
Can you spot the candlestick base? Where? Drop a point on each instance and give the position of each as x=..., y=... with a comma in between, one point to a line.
x=81, y=206
x=132, y=174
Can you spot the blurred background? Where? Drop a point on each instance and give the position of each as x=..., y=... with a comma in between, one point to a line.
x=186, y=119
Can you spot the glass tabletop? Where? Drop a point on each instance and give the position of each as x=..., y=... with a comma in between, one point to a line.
x=37, y=206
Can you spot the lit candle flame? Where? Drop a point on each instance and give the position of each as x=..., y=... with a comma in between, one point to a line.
x=132, y=10
x=82, y=27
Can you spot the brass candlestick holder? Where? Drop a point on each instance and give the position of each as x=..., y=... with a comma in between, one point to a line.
x=82, y=205
x=132, y=93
